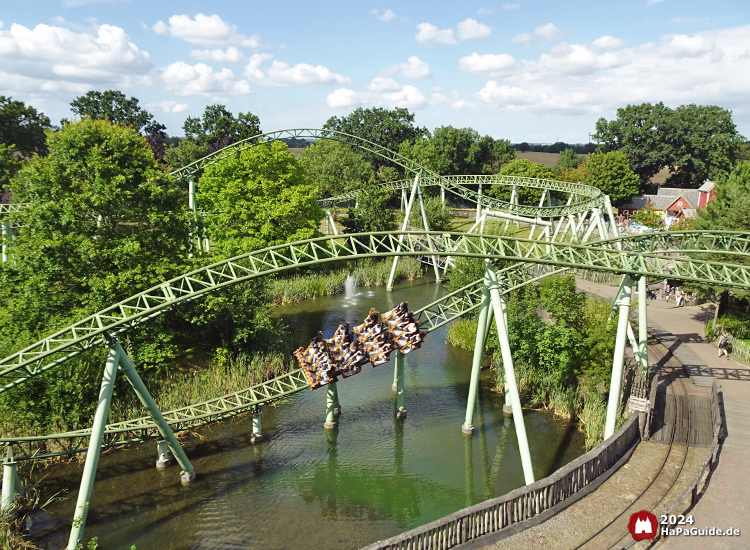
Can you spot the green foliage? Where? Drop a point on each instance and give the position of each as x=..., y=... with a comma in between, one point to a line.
x=23, y=126
x=696, y=142
x=439, y=216
x=568, y=160
x=451, y=151
x=388, y=128
x=258, y=198
x=579, y=174
x=336, y=167
x=186, y=152
x=463, y=272
x=527, y=169
x=611, y=173
x=648, y=216
x=371, y=212
x=113, y=106
x=729, y=209
x=220, y=128
x=9, y=165
x=104, y=222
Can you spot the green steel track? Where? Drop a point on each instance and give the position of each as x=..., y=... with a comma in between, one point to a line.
x=691, y=256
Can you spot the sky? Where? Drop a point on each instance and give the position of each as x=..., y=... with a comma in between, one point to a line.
x=536, y=71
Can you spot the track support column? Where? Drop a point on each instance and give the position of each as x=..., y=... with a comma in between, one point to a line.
x=126, y=366
x=95, y=449
x=6, y=235
x=332, y=406
x=192, y=205
x=257, y=435
x=427, y=228
x=400, y=359
x=409, y=205
x=642, y=324
x=485, y=308
x=11, y=482
x=162, y=451
x=615, y=385
x=501, y=322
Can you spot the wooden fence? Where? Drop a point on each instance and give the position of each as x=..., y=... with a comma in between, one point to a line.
x=523, y=504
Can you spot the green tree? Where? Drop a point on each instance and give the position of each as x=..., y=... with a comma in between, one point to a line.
x=259, y=198
x=23, y=126
x=219, y=127
x=611, y=173
x=527, y=169
x=731, y=204
x=643, y=133
x=575, y=175
x=9, y=165
x=336, y=167
x=388, y=128
x=112, y=105
x=568, y=160
x=186, y=152
x=648, y=216
x=371, y=212
x=439, y=216
x=696, y=142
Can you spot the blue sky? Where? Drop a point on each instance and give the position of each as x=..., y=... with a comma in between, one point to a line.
x=534, y=71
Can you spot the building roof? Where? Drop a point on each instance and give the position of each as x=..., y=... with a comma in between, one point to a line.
x=692, y=195
x=707, y=186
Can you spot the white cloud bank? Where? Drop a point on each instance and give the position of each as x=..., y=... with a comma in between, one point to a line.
x=387, y=15
x=282, y=74
x=200, y=79
x=469, y=29
x=548, y=32
x=413, y=68
x=709, y=67
x=207, y=31
x=382, y=92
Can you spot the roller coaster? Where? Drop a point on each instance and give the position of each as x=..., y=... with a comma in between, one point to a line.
x=572, y=227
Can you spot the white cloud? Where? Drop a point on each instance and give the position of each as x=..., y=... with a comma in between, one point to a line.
x=709, y=67
x=607, y=42
x=652, y=2
x=168, y=106
x=438, y=99
x=413, y=68
x=407, y=96
x=548, y=32
x=430, y=34
x=484, y=11
x=283, y=74
x=50, y=59
x=200, y=79
x=231, y=55
x=206, y=31
x=1, y=24
x=488, y=64
x=470, y=29
x=509, y=6
x=382, y=84
x=387, y=15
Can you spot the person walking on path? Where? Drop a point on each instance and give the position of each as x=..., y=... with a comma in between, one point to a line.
x=724, y=344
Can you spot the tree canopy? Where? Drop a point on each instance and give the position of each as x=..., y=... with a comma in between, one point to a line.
x=261, y=197
x=527, y=169
x=112, y=105
x=371, y=212
x=695, y=142
x=219, y=127
x=459, y=151
x=335, y=167
x=23, y=126
x=611, y=173
x=731, y=204
x=388, y=128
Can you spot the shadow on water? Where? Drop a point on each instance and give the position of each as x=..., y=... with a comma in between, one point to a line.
x=302, y=487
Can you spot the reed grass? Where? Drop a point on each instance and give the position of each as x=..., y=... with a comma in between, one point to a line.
x=366, y=272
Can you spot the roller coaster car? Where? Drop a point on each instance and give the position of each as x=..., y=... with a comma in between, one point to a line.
x=318, y=370
x=403, y=328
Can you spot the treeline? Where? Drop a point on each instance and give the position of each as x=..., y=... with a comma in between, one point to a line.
x=557, y=147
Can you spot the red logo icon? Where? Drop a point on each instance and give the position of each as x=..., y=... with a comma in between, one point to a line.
x=642, y=525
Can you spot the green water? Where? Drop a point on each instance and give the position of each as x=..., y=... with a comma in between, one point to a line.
x=304, y=488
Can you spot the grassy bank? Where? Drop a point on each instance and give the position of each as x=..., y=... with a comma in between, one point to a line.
x=329, y=282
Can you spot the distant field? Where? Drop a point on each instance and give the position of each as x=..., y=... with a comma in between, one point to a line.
x=550, y=159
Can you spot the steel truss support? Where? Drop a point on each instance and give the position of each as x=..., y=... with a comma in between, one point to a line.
x=400, y=404
x=193, y=207
x=642, y=324
x=332, y=406
x=479, y=203
x=11, y=483
x=427, y=228
x=257, y=435
x=7, y=232
x=330, y=223
x=615, y=386
x=485, y=310
x=407, y=214
x=501, y=322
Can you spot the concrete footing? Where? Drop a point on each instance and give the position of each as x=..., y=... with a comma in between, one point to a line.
x=185, y=477
x=401, y=413
x=468, y=430
x=330, y=425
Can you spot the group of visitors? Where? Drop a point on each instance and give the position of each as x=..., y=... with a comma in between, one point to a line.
x=343, y=355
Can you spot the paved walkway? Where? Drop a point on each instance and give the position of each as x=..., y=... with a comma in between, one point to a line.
x=726, y=500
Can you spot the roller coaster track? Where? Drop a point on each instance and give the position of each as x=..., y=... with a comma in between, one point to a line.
x=686, y=256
